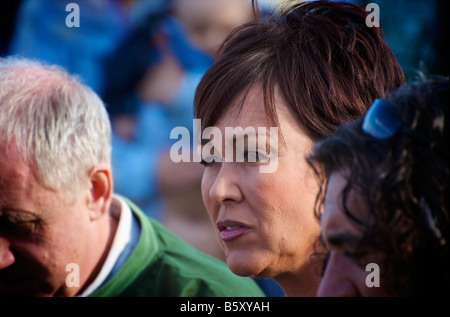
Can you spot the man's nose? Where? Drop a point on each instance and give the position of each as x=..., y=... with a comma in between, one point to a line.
x=335, y=282
x=6, y=256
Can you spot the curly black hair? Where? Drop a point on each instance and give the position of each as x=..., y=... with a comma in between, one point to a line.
x=404, y=180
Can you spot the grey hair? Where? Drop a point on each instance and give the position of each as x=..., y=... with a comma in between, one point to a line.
x=57, y=124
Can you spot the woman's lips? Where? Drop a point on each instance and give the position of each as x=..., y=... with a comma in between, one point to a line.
x=230, y=229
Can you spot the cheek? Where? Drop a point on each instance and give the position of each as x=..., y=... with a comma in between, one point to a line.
x=71, y=235
x=206, y=184
x=292, y=195
x=284, y=209
x=45, y=260
x=292, y=191
x=62, y=248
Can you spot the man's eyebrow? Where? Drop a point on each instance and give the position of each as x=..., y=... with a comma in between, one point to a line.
x=19, y=212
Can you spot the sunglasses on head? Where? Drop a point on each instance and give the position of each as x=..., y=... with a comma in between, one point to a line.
x=382, y=120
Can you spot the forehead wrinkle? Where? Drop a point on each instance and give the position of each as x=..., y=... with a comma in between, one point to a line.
x=334, y=217
x=250, y=112
x=16, y=171
x=250, y=106
x=20, y=188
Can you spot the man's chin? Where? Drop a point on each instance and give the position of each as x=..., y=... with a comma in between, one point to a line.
x=26, y=287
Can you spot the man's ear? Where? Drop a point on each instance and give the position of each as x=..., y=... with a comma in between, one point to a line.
x=101, y=190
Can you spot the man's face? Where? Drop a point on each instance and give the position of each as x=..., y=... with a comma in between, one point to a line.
x=346, y=270
x=40, y=233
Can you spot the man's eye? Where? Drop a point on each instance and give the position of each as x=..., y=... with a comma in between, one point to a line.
x=355, y=255
x=19, y=227
x=350, y=254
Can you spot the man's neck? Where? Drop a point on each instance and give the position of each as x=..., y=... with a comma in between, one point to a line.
x=107, y=228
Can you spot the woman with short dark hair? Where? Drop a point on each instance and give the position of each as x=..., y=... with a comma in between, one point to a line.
x=305, y=71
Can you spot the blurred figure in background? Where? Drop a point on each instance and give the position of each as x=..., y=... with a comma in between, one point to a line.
x=208, y=23
x=41, y=33
x=8, y=14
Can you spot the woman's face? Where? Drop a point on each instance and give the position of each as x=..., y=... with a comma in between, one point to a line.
x=264, y=221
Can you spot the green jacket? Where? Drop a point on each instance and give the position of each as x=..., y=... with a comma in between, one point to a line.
x=163, y=265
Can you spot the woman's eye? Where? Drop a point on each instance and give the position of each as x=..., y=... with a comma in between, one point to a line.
x=210, y=161
x=254, y=157
x=248, y=157
x=251, y=157
x=206, y=164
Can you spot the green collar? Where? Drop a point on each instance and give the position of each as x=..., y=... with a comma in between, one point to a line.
x=143, y=254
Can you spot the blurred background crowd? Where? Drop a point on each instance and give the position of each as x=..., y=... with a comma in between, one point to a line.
x=145, y=58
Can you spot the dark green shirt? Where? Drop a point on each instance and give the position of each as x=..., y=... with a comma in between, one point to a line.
x=163, y=265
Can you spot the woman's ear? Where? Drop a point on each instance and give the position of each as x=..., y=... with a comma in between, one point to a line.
x=101, y=190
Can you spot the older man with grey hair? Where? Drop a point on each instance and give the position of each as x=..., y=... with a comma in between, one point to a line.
x=63, y=232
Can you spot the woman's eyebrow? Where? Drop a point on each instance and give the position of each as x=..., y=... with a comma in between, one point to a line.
x=254, y=135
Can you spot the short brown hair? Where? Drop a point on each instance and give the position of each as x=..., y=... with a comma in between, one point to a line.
x=328, y=64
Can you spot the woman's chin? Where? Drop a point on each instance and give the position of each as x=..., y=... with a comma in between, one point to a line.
x=247, y=264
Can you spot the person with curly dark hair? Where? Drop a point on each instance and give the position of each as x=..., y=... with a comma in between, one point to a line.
x=384, y=203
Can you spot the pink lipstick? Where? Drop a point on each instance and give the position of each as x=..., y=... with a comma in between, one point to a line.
x=230, y=229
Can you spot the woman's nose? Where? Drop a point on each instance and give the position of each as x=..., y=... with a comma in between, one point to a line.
x=226, y=186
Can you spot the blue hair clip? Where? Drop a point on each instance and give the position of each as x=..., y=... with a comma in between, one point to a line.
x=382, y=120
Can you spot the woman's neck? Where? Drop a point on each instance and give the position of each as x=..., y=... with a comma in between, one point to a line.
x=302, y=283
